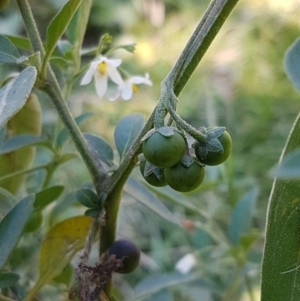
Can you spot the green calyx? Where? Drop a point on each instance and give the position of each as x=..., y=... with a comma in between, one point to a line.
x=216, y=147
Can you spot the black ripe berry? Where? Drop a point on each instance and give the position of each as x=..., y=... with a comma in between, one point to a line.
x=127, y=251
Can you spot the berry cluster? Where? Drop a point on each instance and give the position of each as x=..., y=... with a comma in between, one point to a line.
x=166, y=158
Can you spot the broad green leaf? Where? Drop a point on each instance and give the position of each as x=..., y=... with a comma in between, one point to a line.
x=20, y=42
x=59, y=24
x=241, y=216
x=27, y=120
x=292, y=64
x=154, y=284
x=8, y=279
x=101, y=148
x=9, y=54
x=12, y=225
x=147, y=198
x=86, y=197
x=289, y=167
x=60, y=244
x=281, y=260
x=64, y=134
x=13, y=95
x=45, y=197
x=20, y=141
x=126, y=131
x=2, y=135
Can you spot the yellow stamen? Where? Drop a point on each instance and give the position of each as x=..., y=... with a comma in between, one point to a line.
x=134, y=88
x=102, y=68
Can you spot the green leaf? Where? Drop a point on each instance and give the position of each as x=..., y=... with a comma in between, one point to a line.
x=289, y=167
x=8, y=52
x=12, y=225
x=101, y=148
x=280, y=267
x=77, y=28
x=20, y=42
x=241, y=216
x=64, y=134
x=59, y=24
x=45, y=197
x=94, y=212
x=86, y=197
x=13, y=95
x=8, y=279
x=126, y=131
x=292, y=64
x=21, y=141
x=144, y=196
x=60, y=244
x=154, y=284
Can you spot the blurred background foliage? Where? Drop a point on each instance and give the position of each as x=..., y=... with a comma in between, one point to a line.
x=240, y=84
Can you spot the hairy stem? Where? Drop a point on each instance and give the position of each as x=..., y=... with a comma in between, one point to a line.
x=199, y=42
x=95, y=167
x=52, y=88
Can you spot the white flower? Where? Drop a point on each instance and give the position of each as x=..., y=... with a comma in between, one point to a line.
x=129, y=86
x=186, y=263
x=101, y=69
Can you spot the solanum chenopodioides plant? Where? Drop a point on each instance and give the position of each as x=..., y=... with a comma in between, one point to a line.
x=212, y=146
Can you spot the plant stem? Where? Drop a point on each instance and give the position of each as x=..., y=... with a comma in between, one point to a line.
x=31, y=28
x=177, y=79
x=53, y=90
x=183, y=124
x=22, y=172
x=95, y=167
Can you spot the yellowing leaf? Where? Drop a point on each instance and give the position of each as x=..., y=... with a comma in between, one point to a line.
x=59, y=246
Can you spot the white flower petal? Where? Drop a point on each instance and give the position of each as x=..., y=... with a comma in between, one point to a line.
x=114, y=75
x=140, y=80
x=88, y=76
x=113, y=62
x=186, y=263
x=126, y=91
x=100, y=59
x=100, y=84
